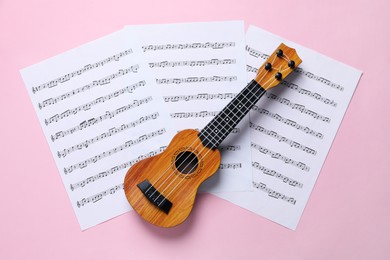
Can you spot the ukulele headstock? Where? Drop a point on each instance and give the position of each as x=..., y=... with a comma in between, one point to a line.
x=277, y=67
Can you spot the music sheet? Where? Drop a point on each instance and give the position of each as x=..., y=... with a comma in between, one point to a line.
x=199, y=68
x=101, y=112
x=292, y=128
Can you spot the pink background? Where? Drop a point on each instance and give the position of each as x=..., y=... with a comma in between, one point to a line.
x=348, y=214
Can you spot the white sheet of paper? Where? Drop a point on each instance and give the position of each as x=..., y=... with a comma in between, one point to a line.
x=100, y=111
x=292, y=128
x=199, y=67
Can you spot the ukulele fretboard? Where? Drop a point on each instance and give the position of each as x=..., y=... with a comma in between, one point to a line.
x=219, y=128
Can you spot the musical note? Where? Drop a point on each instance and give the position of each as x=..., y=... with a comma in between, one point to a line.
x=103, y=81
x=258, y=54
x=299, y=107
x=288, y=122
x=309, y=93
x=281, y=157
x=196, y=79
x=229, y=147
x=109, y=133
x=202, y=96
x=272, y=193
x=194, y=114
x=214, y=45
x=87, y=106
x=97, y=197
x=251, y=69
x=231, y=166
x=300, y=90
x=98, y=119
x=68, y=76
x=114, y=150
x=191, y=63
x=115, y=169
x=277, y=175
x=282, y=139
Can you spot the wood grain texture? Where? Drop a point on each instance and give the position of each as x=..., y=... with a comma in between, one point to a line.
x=265, y=78
x=179, y=188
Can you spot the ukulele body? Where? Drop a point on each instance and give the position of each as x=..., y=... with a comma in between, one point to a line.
x=162, y=188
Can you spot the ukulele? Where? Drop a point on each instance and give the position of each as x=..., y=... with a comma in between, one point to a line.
x=162, y=188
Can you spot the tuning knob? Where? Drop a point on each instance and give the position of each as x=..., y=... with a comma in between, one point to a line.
x=291, y=64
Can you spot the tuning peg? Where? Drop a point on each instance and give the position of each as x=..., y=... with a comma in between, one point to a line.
x=279, y=53
x=278, y=76
x=268, y=66
x=291, y=64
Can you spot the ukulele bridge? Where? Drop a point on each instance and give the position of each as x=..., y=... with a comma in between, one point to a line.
x=154, y=196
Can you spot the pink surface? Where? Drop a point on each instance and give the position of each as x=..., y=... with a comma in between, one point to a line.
x=348, y=214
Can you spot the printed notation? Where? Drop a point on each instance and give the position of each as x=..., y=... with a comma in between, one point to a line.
x=110, y=132
x=300, y=90
x=277, y=175
x=87, y=106
x=319, y=79
x=257, y=54
x=282, y=139
x=191, y=63
x=97, y=197
x=96, y=120
x=289, y=122
x=95, y=83
x=78, y=72
x=251, y=69
x=231, y=166
x=299, y=107
x=126, y=165
x=308, y=93
x=196, y=79
x=202, y=96
x=194, y=114
x=229, y=148
x=114, y=150
x=272, y=193
x=182, y=46
x=278, y=156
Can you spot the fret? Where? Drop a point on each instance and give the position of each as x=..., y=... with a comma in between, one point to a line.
x=219, y=128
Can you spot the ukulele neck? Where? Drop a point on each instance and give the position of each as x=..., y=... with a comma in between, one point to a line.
x=278, y=66
x=219, y=128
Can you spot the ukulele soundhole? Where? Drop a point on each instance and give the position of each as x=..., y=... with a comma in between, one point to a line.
x=186, y=162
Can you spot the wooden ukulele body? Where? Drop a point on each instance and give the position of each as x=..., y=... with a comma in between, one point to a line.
x=171, y=178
